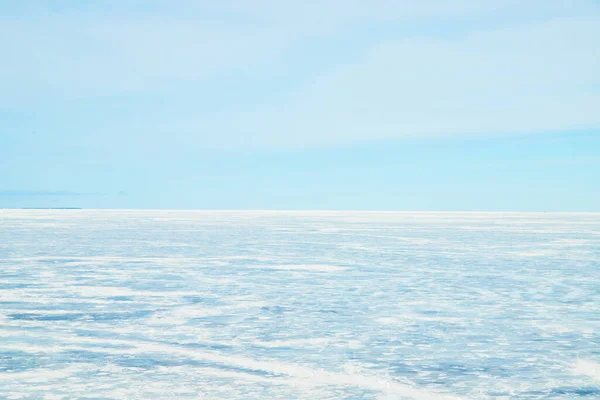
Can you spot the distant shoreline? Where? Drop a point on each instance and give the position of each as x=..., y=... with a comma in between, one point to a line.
x=50, y=208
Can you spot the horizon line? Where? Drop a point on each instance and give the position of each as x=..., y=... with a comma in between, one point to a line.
x=298, y=210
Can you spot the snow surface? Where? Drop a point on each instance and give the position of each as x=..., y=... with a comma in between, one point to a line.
x=298, y=305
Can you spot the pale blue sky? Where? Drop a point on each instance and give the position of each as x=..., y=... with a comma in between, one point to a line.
x=395, y=105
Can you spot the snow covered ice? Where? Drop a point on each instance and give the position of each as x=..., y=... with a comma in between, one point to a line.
x=298, y=305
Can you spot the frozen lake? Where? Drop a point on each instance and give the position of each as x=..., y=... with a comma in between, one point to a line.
x=298, y=305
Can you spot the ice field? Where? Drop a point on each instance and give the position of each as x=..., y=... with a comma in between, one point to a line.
x=298, y=305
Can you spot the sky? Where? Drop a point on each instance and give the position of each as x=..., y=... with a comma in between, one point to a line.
x=435, y=105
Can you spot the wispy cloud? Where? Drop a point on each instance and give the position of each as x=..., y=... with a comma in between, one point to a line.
x=438, y=69
x=536, y=78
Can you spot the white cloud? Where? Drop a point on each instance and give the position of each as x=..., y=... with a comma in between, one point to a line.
x=125, y=45
x=90, y=56
x=533, y=77
x=536, y=78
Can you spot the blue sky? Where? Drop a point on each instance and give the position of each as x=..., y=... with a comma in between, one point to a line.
x=382, y=105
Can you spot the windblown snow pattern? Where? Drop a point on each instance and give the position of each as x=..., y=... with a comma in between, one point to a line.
x=298, y=305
